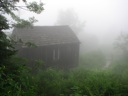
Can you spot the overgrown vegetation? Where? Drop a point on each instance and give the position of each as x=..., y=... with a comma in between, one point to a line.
x=80, y=82
x=17, y=80
x=93, y=60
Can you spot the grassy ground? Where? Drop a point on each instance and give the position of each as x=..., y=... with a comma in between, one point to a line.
x=81, y=82
x=89, y=79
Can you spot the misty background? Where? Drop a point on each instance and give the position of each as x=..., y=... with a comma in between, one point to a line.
x=97, y=23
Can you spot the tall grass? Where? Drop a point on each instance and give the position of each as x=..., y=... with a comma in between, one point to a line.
x=80, y=82
x=89, y=79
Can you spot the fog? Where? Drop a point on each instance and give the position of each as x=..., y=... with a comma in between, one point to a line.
x=97, y=23
x=104, y=19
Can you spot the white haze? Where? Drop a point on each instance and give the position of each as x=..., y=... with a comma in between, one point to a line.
x=105, y=19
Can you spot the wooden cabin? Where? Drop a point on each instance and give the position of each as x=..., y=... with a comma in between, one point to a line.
x=57, y=46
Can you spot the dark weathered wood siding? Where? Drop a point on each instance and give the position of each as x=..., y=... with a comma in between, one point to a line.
x=59, y=55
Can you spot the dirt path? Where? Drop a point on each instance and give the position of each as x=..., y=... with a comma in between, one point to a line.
x=107, y=64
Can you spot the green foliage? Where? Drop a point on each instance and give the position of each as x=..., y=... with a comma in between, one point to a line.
x=122, y=45
x=37, y=8
x=120, y=64
x=93, y=60
x=81, y=82
x=3, y=23
x=8, y=7
x=21, y=23
x=15, y=79
x=6, y=48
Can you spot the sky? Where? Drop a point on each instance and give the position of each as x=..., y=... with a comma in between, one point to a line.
x=105, y=19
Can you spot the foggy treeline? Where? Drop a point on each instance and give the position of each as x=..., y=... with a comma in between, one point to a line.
x=105, y=49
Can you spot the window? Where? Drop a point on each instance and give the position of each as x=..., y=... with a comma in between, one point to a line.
x=56, y=54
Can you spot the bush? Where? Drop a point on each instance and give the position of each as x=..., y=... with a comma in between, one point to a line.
x=80, y=82
x=93, y=60
x=15, y=79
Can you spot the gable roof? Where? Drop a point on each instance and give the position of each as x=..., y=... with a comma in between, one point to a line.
x=46, y=35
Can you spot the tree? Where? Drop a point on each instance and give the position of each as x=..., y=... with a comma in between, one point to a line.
x=122, y=44
x=69, y=17
x=9, y=7
x=12, y=80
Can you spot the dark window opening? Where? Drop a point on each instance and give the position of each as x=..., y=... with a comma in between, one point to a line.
x=56, y=54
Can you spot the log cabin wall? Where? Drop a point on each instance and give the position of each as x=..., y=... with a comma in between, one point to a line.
x=59, y=55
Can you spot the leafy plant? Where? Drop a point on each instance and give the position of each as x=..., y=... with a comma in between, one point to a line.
x=13, y=81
